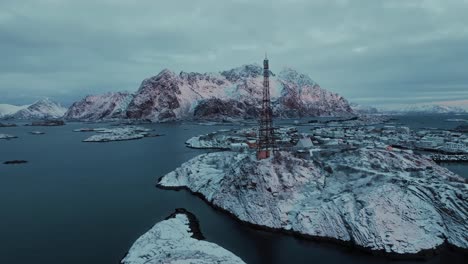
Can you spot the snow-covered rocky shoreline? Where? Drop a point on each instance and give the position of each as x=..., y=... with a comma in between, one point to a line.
x=116, y=134
x=177, y=240
x=407, y=205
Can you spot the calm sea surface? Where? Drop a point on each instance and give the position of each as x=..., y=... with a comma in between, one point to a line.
x=77, y=202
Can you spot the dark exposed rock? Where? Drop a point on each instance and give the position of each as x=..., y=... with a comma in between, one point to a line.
x=7, y=125
x=216, y=108
x=15, y=162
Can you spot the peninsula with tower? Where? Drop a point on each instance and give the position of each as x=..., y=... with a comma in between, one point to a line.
x=379, y=200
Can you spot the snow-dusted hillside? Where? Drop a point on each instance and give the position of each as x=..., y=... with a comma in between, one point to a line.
x=96, y=107
x=42, y=109
x=177, y=240
x=235, y=93
x=8, y=109
x=404, y=205
x=232, y=94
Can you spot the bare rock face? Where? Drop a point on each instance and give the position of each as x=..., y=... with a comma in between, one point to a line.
x=177, y=240
x=99, y=107
x=157, y=98
x=215, y=109
x=396, y=203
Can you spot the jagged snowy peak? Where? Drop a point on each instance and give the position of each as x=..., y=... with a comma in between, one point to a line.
x=244, y=72
x=404, y=205
x=171, y=96
x=177, y=240
x=8, y=109
x=96, y=107
x=292, y=76
x=42, y=109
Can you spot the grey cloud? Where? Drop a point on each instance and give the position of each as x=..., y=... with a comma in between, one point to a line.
x=366, y=49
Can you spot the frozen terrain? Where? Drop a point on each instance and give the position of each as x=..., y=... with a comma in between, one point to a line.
x=117, y=134
x=100, y=107
x=395, y=203
x=8, y=109
x=177, y=240
x=42, y=109
x=226, y=95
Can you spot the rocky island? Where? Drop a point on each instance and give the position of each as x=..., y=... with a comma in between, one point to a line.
x=117, y=134
x=9, y=162
x=395, y=203
x=47, y=123
x=177, y=240
x=7, y=125
x=7, y=136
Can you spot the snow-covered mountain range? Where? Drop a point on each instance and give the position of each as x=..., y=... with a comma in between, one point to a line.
x=409, y=109
x=431, y=109
x=235, y=93
x=42, y=109
x=105, y=106
x=8, y=109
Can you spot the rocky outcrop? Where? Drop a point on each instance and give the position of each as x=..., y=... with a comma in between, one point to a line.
x=100, y=107
x=177, y=240
x=395, y=203
x=117, y=134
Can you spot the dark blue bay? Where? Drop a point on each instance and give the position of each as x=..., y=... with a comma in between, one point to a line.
x=76, y=202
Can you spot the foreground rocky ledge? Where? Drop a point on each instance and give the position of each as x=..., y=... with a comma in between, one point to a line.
x=177, y=240
x=393, y=203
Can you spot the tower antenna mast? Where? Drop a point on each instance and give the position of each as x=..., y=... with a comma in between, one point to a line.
x=266, y=140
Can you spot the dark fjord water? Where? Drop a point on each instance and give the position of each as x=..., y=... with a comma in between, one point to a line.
x=77, y=202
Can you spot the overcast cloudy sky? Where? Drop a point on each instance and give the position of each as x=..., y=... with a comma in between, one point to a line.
x=372, y=52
